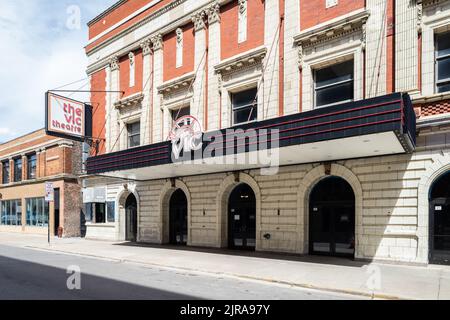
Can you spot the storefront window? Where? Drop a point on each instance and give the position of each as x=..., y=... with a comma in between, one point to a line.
x=11, y=213
x=111, y=211
x=37, y=212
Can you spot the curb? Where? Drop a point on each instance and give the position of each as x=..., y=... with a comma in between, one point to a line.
x=372, y=296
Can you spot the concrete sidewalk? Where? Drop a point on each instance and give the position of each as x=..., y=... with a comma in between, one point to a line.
x=375, y=280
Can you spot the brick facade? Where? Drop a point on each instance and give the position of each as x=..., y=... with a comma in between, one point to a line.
x=59, y=162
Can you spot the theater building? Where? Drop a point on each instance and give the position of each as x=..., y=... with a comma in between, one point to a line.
x=26, y=165
x=292, y=126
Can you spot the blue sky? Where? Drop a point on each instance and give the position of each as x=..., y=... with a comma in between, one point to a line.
x=42, y=48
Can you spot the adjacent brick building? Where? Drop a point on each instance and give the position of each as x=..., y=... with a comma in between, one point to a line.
x=26, y=164
x=361, y=174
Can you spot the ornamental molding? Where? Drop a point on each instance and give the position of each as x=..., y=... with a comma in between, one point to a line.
x=213, y=13
x=114, y=63
x=157, y=41
x=429, y=3
x=177, y=83
x=199, y=20
x=242, y=6
x=179, y=33
x=238, y=62
x=131, y=57
x=130, y=101
x=146, y=46
x=334, y=29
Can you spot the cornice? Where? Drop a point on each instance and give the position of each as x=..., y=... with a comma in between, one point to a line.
x=177, y=83
x=129, y=101
x=245, y=59
x=333, y=29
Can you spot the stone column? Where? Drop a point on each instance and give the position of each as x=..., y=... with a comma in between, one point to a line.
x=114, y=85
x=146, y=126
x=198, y=100
x=11, y=170
x=269, y=97
x=214, y=51
x=158, y=60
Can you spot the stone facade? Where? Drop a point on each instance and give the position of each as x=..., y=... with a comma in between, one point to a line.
x=390, y=53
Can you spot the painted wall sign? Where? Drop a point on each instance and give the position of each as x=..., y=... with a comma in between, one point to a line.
x=67, y=117
x=186, y=136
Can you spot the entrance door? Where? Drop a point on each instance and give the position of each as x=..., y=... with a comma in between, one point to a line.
x=440, y=221
x=242, y=218
x=332, y=218
x=178, y=219
x=131, y=218
x=57, y=211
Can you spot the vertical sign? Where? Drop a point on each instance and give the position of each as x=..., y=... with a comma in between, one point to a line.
x=49, y=192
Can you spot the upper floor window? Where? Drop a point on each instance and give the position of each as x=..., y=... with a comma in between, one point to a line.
x=134, y=134
x=245, y=106
x=17, y=170
x=443, y=62
x=334, y=84
x=180, y=113
x=31, y=167
x=5, y=172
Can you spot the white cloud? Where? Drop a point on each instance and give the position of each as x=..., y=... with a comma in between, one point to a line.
x=39, y=53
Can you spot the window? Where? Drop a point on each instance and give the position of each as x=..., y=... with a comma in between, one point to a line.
x=11, y=213
x=37, y=212
x=245, y=106
x=443, y=62
x=18, y=170
x=96, y=212
x=177, y=114
x=111, y=211
x=31, y=167
x=334, y=84
x=134, y=134
x=5, y=172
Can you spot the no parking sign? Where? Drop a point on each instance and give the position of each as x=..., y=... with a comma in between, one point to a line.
x=49, y=192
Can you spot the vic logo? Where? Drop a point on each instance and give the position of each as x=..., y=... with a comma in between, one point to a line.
x=72, y=114
x=186, y=136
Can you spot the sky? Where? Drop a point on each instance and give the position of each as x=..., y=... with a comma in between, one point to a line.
x=41, y=48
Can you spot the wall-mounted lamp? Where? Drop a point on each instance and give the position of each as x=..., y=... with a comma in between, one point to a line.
x=267, y=236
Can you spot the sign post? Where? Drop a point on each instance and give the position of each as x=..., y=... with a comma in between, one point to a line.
x=49, y=197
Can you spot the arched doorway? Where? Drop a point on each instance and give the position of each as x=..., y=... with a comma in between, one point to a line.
x=440, y=220
x=242, y=218
x=178, y=218
x=332, y=218
x=131, y=218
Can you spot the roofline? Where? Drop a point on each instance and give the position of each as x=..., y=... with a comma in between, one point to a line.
x=22, y=136
x=106, y=12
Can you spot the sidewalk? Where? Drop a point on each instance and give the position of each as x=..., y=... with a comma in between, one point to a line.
x=336, y=275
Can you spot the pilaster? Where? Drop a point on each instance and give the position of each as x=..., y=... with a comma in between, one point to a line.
x=214, y=49
x=198, y=100
x=158, y=61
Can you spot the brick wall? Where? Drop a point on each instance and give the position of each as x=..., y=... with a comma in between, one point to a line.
x=432, y=109
x=125, y=74
x=98, y=101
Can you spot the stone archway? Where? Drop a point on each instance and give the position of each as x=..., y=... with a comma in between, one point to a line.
x=441, y=165
x=164, y=201
x=124, y=193
x=305, y=188
x=225, y=190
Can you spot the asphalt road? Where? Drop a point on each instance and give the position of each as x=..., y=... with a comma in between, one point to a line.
x=38, y=275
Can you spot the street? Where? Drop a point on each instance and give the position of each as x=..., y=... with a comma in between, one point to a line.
x=32, y=274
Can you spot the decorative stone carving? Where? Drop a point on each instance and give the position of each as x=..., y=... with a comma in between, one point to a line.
x=157, y=41
x=300, y=56
x=199, y=21
x=419, y=15
x=114, y=63
x=179, y=33
x=364, y=36
x=242, y=6
x=146, y=46
x=213, y=13
x=132, y=58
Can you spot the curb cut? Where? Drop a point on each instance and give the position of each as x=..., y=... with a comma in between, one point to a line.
x=372, y=296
